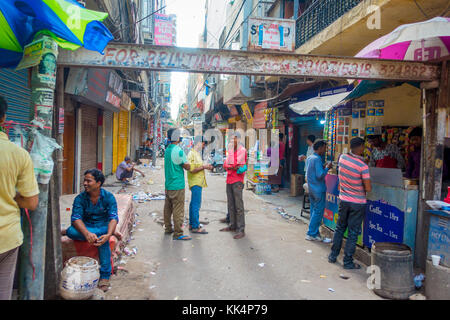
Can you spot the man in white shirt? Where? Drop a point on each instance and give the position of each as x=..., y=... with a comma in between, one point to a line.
x=310, y=141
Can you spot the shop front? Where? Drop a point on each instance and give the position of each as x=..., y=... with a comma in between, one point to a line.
x=392, y=205
x=306, y=114
x=96, y=95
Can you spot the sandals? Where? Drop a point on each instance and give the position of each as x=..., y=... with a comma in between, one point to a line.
x=240, y=235
x=103, y=285
x=182, y=238
x=199, y=230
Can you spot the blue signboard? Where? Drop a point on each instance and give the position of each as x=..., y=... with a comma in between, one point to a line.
x=383, y=223
x=331, y=205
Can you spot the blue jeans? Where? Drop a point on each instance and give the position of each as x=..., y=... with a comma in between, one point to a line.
x=317, y=208
x=194, y=207
x=104, y=251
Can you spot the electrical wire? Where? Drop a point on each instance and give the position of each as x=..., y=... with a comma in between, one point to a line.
x=139, y=21
x=144, y=18
x=421, y=10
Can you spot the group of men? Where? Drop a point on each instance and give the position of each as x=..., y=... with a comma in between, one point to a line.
x=354, y=184
x=94, y=215
x=175, y=162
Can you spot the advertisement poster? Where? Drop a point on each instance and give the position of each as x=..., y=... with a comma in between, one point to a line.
x=272, y=34
x=331, y=212
x=383, y=223
x=164, y=30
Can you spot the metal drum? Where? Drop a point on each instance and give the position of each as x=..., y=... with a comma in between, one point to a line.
x=395, y=261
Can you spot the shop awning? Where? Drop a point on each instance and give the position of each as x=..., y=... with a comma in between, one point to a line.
x=320, y=103
x=369, y=86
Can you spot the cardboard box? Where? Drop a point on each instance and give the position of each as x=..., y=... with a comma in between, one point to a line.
x=297, y=181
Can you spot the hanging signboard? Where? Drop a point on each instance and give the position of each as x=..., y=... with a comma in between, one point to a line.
x=247, y=114
x=164, y=29
x=271, y=34
x=169, y=58
x=259, y=121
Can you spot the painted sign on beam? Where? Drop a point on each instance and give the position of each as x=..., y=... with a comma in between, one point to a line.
x=150, y=57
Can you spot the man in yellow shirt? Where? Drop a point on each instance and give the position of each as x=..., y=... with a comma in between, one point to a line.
x=197, y=181
x=18, y=189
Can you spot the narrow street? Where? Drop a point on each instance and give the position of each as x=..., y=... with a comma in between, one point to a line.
x=215, y=266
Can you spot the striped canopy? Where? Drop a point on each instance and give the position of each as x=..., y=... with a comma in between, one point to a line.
x=66, y=21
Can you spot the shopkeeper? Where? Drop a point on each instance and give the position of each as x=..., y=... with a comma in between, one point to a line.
x=413, y=166
x=384, y=155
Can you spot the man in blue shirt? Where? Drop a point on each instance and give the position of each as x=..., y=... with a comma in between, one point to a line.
x=316, y=172
x=94, y=219
x=126, y=170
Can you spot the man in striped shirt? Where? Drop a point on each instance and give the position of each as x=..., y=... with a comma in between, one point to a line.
x=354, y=183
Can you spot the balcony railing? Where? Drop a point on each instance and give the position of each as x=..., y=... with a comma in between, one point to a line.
x=320, y=15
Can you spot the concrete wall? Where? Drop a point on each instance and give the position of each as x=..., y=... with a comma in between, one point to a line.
x=402, y=105
x=350, y=33
x=216, y=20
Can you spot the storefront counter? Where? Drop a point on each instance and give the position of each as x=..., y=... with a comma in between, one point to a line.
x=391, y=213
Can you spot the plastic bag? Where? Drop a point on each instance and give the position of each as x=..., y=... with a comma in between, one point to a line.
x=41, y=154
x=18, y=136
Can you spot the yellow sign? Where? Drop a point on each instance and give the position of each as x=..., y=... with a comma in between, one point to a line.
x=247, y=113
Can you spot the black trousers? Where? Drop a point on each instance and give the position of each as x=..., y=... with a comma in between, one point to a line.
x=351, y=216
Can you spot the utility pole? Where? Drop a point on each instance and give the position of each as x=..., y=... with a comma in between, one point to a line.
x=155, y=135
x=43, y=83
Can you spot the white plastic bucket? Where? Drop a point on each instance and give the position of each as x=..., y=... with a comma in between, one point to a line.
x=436, y=259
x=79, y=278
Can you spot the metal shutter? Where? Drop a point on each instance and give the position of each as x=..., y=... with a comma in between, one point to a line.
x=122, y=136
x=14, y=87
x=108, y=123
x=89, y=134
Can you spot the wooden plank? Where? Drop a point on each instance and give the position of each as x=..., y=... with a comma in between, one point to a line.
x=151, y=57
x=435, y=119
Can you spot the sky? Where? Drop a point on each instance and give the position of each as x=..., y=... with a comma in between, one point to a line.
x=190, y=24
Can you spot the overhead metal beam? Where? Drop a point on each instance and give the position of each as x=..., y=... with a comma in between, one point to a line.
x=160, y=58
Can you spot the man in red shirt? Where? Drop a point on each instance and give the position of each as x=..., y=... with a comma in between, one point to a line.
x=236, y=166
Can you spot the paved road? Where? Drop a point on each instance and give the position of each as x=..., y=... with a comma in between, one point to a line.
x=215, y=266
